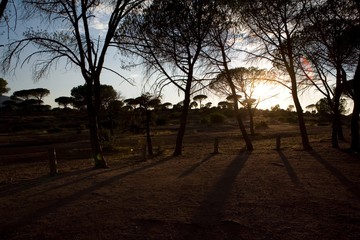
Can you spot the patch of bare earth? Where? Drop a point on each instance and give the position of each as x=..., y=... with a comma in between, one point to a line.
x=263, y=194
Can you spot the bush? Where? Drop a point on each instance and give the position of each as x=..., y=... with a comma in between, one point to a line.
x=160, y=121
x=261, y=125
x=204, y=121
x=217, y=118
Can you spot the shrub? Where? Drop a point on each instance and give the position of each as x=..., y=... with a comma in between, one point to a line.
x=204, y=121
x=161, y=121
x=217, y=118
x=261, y=125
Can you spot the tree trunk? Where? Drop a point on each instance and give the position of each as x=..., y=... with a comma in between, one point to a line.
x=183, y=120
x=251, y=120
x=148, y=136
x=3, y=4
x=246, y=137
x=97, y=154
x=237, y=113
x=355, y=141
x=304, y=136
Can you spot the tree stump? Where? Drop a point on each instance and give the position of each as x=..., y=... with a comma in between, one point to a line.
x=278, y=142
x=52, y=161
x=144, y=152
x=216, y=146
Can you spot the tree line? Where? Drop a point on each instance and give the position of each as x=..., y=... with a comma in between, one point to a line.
x=190, y=44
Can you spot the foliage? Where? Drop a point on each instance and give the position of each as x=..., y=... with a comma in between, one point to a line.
x=261, y=125
x=217, y=118
x=3, y=86
x=107, y=95
x=64, y=101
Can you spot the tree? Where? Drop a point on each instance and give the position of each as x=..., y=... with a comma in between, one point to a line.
x=36, y=93
x=40, y=93
x=223, y=37
x=326, y=50
x=169, y=37
x=245, y=81
x=200, y=98
x=3, y=86
x=193, y=105
x=325, y=110
x=223, y=104
x=147, y=101
x=71, y=38
x=166, y=105
x=3, y=4
x=64, y=101
x=355, y=138
x=274, y=24
x=311, y=108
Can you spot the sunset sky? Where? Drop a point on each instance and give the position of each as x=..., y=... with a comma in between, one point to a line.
x=61, y=80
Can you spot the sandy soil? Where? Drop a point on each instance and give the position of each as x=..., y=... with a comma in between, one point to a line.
x=263, y=194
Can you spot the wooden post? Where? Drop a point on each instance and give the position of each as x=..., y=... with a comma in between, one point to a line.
x=216, y=145
x=52, y=161
x=278, y=142
x=144, y=152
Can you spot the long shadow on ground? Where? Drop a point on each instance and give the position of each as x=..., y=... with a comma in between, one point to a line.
x=294, y=178
x=350, y=186
x=195, y=166
x=213, y=206
x=12, y=227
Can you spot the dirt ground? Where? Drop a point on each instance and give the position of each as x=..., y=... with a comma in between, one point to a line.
x=262, y=194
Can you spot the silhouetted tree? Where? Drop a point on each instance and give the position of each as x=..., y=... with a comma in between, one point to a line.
x=147, y=101
x=274, y=24
x=69, y=36
x=169, y=37
x=326, y=46
x=200, y=98
x=3, y=86
x=64, y=101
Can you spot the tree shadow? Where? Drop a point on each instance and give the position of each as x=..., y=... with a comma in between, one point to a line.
x=350, y=186
x=195, y=166
x=12, y=227
x=11, y=189
x=294, y=178
x=213, y=206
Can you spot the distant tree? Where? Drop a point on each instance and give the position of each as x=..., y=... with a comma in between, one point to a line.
x=22, y=95
x=166, y=105
x=69, y=36
x=223, y=104
x=39, y=93
x=114, y=106
x=107, y=95
x=290, y=108
x=3, y=86
x=275, y=108
x=193, y=104
x=146, y=101
x=30, y=97
x=200, y=98
x=208, y=105
x=326, y=110
x=64, y=101
x=311, y=108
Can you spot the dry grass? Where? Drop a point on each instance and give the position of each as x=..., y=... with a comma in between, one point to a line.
x=263, y=194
